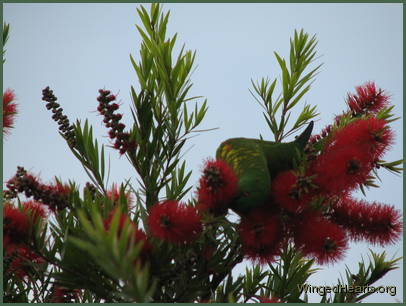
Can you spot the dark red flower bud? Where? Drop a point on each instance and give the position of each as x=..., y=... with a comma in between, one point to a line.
x=120, y=126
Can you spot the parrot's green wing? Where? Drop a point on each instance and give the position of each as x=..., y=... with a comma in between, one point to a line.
x=256, y=162
x=247, y=159
x=283, y=156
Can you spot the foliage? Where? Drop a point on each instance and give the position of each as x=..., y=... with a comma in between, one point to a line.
x=6, y=30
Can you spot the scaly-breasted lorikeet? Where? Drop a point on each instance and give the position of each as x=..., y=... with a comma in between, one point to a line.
x=256, y=162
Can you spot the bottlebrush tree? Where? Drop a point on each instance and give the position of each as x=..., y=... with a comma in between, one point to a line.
x=145, y=242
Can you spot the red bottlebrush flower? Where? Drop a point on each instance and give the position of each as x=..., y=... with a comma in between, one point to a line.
x=319, y=238
x=16, y=224
x=261, y=236
x=263, y=299
x=174, y=222
x=20, y=259
x=35, y=210
x=217, y=186
x=288, y=193
x=9, y=110
x=374, y=222
x=367, y=98
x=371, y=135
x=341, y=169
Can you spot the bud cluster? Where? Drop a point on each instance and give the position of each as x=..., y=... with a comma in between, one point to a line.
x=54, y=196
x=323, y=134
x=112, y=121
x=64, y=126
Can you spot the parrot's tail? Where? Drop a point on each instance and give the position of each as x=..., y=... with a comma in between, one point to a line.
x=302, y=139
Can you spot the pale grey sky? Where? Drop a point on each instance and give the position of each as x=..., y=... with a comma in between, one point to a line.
x=77, y=49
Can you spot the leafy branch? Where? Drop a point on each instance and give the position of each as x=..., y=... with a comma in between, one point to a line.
x=294, y=86
x=116, y=252
x=377, y=268
x=162, y=120
x=86, y=150
x=6, y=30
x=288, y=274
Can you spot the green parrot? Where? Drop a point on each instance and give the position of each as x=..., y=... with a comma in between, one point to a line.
x=256, y=162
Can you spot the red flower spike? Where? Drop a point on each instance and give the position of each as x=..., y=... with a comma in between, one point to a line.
x=16, y=224
x=261, y=236
x=174, y=222
x=370, y=134
x=367, y=98
x=341, y=169
x=35, y=210
x=377, y=223
x=319, y=238
x=9, y=110
x=287, y=194
x=217, y=186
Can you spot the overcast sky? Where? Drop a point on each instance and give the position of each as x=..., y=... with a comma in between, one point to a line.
x=77, y=49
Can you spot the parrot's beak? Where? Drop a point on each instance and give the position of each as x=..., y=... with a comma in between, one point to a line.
x=304, y=137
